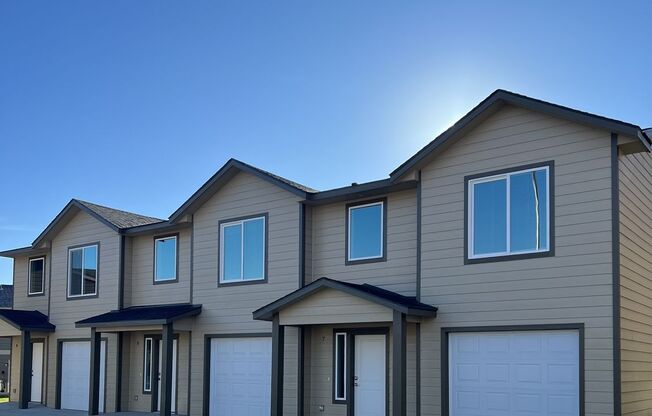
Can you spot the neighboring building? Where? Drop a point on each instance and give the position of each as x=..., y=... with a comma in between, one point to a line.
x=6, y=301
x=504, y=269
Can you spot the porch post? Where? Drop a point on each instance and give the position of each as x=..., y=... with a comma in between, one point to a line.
x=94, y=391
x=166, y=370
x=278, y=344
x=399, y=378
x=25, y=389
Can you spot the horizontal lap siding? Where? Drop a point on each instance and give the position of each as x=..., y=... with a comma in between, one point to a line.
x=83, y=229
x=573, y=286
x=398, y=273
x=21, y=286
x=636, y=283
x=143, y=289
x=228, y=310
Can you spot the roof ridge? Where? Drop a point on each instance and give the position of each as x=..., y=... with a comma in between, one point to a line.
x=90, y=205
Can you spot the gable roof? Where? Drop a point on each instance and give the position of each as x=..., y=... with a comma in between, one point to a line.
x=115, y=219
x=492, y=104
x=405, y=304
x=222, y=176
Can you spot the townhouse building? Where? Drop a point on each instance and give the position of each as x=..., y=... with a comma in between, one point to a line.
x=504, y=269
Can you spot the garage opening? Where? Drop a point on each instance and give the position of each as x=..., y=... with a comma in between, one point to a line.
x=75, y=374
x=534, y=372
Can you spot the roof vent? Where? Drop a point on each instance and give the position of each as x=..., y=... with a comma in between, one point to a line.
x=354, y=184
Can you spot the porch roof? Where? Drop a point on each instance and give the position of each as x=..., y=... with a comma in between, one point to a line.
x=408, y=305
x=26, y=320
x=141, y=315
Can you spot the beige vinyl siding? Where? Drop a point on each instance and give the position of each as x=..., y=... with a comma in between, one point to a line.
x=83, y=229
x=227, y=309
x=143, y=289
x=333, y=306
x=574, y=286
x=636, y=283
x=21, y=286
x=398, y=273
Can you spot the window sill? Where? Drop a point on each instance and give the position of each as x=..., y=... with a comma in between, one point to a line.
x=81, y=297
x=509, y=257
x=348, y=262
x=241, y=282
x=165, y=282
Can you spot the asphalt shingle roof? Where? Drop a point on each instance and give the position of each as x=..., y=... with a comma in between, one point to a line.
x=119, y=218
x=157, y=313
x=27, y=320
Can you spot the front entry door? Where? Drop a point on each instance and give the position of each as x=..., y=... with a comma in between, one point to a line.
x=369, y=377
x=174, y=375
x=37, y=371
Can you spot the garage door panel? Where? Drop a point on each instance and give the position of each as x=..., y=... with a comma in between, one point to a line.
x=75, y=374
x=514, y=373
x=240, y=376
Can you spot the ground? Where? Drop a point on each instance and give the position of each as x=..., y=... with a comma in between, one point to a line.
x=11, y=409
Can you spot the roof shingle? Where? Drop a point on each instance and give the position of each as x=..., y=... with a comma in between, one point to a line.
x=119, y=218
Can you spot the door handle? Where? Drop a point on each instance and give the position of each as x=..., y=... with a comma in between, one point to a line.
x=355, y=377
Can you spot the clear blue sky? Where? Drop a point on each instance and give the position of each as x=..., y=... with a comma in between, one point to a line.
x=134, y=104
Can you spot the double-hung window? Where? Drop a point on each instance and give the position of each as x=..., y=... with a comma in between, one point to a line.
x=509, y=213
x=36, y=274
x=147, y=365
x=339, y=368
x=165, y=259
x=365, y=231
x=242, y=250
x=83, y=271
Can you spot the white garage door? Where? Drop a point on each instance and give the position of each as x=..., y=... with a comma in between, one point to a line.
x=75, y=374
x=514, y=373
x=241, y=374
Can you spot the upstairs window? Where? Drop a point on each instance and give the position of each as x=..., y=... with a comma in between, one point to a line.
x=36, y=275
x=509, y=213
x=242, y=250
x=82, y=271
x=165, y=259
x=366, y=232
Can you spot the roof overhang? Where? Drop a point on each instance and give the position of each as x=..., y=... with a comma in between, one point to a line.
x=496, y=101
x=364, y=190
x=404, y=304
x=22, y=320
x=141, y=316
x=220, y=178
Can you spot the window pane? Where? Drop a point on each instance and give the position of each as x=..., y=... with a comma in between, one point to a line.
x=529, y=211
x=75, y=272
x=90, y=270
x=365, y=229
x=232, y=253
x=166, y=259
x=254, y=249
x=36, y=268
x=490, y=217
x=147, y=373
x=340, y=366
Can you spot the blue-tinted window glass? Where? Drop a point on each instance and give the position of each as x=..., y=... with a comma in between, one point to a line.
x=366, y=232
x=254, y=249
x=490, y=217
x=232, y=254
x=529, y=211
x=166, y=259
x=90, y=270
x=76, y=261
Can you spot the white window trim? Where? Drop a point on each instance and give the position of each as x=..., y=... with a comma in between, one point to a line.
x=506, y=176
x=337, y=374
x=29, y=277
x=151, y=361
x=382, y=233
x=176, y=247
x=242, y=223
x=97, y=255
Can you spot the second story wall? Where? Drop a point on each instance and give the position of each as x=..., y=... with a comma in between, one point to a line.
x=81, y=230
x=328, y=236
x=22, y=300
x=142, y=289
